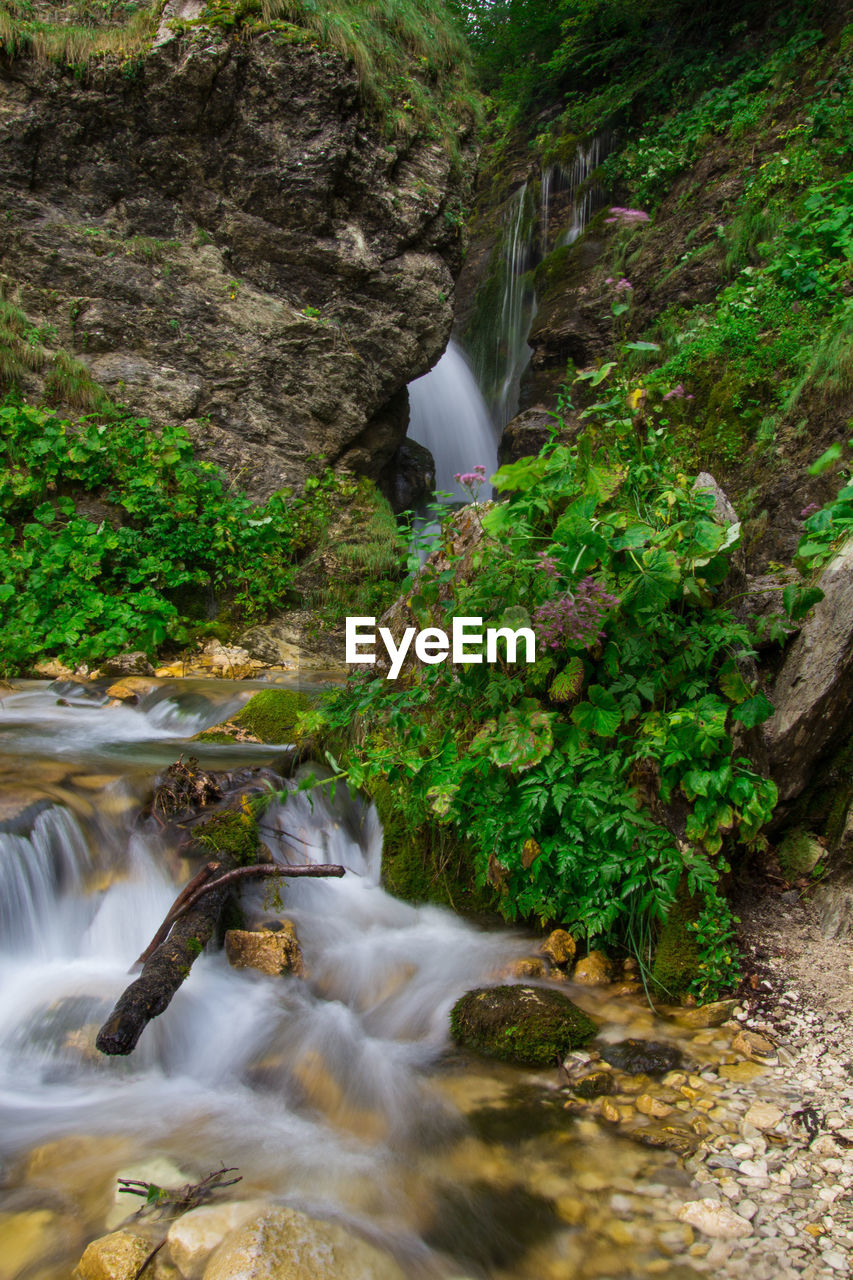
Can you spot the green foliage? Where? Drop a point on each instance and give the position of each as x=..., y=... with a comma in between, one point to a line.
x=589, y=783
x=92, y=29
x=827, y=529
x=167, y=528
x=411, y=57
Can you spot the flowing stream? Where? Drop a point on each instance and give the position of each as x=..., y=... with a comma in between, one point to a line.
x=338, y=1092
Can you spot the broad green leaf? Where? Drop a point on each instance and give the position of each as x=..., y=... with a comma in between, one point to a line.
x=641, y=346
x=733, y=684
x=520, y=476
x=600, y=715
x=754, y=711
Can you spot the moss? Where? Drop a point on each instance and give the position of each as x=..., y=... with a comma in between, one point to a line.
x=676, y=961
x=216, y=736
x=520, y=1024
x=271, y=715
x=799, y=853
x=231, y=834
x=428, y=863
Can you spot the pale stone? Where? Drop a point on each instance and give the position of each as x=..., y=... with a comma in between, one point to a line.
x=763, y=1115
x=282, y=1244
x=114, y=1257
x=270, y=951
x=594, y=970
x=193, y=1237
x=714, y=1219
x=559, y=947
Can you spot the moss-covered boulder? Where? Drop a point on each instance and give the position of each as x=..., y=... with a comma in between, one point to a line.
x=529, y=1025
x=269, y=716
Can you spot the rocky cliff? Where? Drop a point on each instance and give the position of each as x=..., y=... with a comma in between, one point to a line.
x=223, y=237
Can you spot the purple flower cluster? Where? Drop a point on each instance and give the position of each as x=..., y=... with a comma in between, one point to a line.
x=548, y=564
x=809, y=510
x=575, y=617
x=619, y=285
x=678, y=393
x=472, y=480
x=627, y=217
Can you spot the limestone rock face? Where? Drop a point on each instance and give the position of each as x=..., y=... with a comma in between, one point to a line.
x=813, y=693
x=225, y=239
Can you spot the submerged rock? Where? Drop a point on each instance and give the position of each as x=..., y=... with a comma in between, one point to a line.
x=270, y=951
x=281, y=1244
x=520, y=1024
x=642, y=1057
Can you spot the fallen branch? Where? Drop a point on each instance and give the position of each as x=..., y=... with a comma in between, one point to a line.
x=189, y=925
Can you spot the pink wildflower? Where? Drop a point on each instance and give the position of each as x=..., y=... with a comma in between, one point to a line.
x=627, y=217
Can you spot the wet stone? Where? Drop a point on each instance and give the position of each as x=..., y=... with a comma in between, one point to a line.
x=649, y=1057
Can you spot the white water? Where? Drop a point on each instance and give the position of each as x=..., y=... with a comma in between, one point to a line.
x=518, y=307
x=315, y=1087
x=449, y=416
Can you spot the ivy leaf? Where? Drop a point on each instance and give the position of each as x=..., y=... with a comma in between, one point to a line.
x=600, y=715
x=754, y=711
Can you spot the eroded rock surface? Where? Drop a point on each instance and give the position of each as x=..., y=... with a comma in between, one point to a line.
x=226, y=240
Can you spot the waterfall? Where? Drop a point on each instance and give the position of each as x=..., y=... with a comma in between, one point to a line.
x=449, y=416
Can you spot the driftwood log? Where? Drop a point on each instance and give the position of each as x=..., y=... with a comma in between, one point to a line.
x=166, y=962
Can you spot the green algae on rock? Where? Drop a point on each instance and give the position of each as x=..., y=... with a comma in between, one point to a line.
x=520, y=1024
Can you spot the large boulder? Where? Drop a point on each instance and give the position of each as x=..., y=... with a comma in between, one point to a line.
x=813, y=693
x=226, y=238
x=281, y=1244
x=520, y=1024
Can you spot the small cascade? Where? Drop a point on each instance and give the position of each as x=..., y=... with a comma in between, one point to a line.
x=34, y=869
x=448, y=415
x=511, y=353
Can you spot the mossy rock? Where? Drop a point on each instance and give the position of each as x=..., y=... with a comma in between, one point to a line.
x=217, y=736
x=529, y=1025
x=231, y=834
x=271, y=714
x=676, y=961
x=799, y=853
x=427, y=863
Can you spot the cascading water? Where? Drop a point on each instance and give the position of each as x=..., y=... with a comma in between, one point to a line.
x=449, y=416
x=328, y=1092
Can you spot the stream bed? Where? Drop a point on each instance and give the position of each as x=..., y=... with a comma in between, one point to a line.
x=338, y=1094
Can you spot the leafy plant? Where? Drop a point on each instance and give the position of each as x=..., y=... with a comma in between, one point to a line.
x=80, y=586
x=641, y=699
